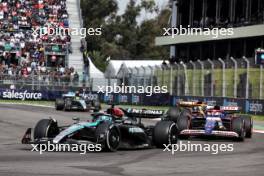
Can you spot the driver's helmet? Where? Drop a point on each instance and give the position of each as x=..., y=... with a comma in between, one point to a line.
x=77, y=93
x=117, y=112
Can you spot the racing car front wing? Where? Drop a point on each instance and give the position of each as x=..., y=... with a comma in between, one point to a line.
x=213, y=133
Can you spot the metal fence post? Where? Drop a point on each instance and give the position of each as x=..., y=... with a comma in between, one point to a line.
x=159, y=82
x=144, y=76
x=223, y=77
x=261, y=82
x=151, y=75
x=212, y=76
x=162, y=72
x=235, y=77
x=193, y=79
x=178, y=80
x=247, y=78
x=202, y=77
x=32, y=81
x=171, y=79
x=186, y=87
x=137, y=76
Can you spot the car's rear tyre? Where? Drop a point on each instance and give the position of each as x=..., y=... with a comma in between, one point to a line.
x=59, y=104
x=46, y=128
x=173, y=114
x=183, y=123
x=238, y=126
x=68, y=104
x=108, y=135
x=97, y=106
x=248, y=125
x=164, y=133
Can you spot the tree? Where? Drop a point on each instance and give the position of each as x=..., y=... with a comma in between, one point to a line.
x=94, y=16
x=122, y=37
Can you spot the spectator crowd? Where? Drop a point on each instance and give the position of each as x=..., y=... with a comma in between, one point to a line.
x=25, y=54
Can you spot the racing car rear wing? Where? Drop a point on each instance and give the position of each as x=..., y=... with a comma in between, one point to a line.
x=191, y=103
x=230, y=109
x=144, y=113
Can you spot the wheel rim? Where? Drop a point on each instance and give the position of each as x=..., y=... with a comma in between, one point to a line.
x=173, y=134
x=51, y=131
x=113, y=139
x=243, y=131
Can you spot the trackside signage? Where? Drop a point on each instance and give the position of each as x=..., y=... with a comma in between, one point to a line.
x=21, y=95
x=252, y=106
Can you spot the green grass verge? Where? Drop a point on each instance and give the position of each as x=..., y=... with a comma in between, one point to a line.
x=51, y=103
x=258, y=117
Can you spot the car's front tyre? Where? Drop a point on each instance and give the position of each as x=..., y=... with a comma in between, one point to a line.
x=164, y=133
x=68, y=104
x=174, y=113
x=184, y=123
x=108, y=135
x=238, y=126
x=46, y=128
x=59, y=104
x=248, y=125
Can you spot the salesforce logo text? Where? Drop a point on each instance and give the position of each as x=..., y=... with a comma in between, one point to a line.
x=21, y=95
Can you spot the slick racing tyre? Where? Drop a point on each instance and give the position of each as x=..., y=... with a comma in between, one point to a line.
x=97, y=106
x=59, y=104
x=248, y=125
x=184, y=123
x=46, y=128
x=108, y=135
x=173, y=114
x=238, y=126
x=165, y=132
x=68, y=104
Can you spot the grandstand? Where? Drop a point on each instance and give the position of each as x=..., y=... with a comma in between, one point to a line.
x=23, y=52
x=29, y=56
x=245, y=16
x=223, y=66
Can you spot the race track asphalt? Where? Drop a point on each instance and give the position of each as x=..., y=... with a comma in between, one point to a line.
x=17, y=159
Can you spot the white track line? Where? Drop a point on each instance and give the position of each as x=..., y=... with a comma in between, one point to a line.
x=26, y=104
x=258, y=131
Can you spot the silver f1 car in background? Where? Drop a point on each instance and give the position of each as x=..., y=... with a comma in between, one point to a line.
x=75, y=101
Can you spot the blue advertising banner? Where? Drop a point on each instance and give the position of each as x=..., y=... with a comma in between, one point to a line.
x=251, y=106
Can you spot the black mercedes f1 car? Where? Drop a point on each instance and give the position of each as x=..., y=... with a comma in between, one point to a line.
x=71, y=101
x=110, y=131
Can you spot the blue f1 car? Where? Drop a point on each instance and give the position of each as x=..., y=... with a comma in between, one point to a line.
x=108, y=129
x=218, y=121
